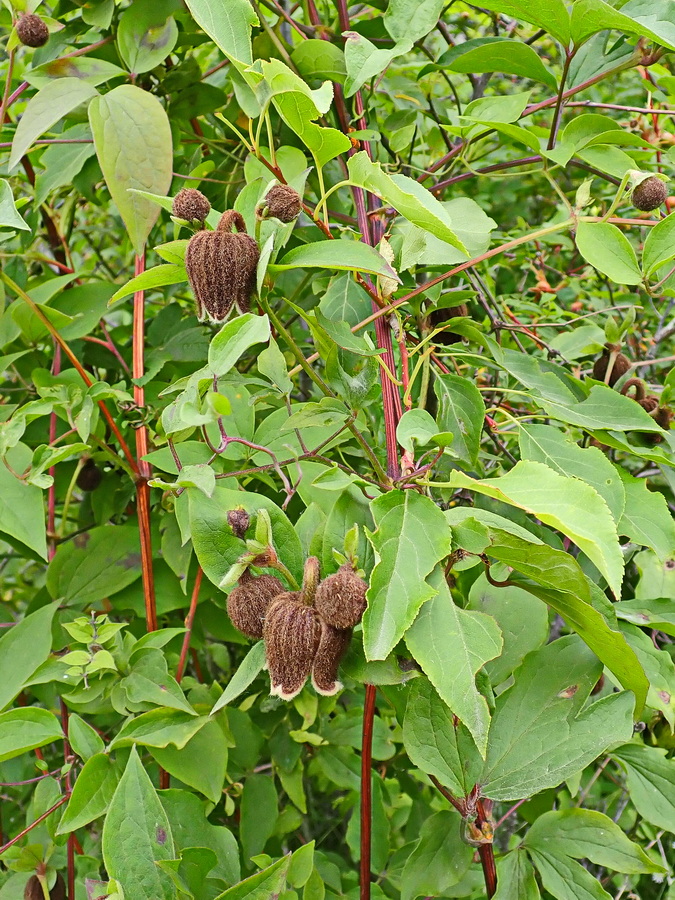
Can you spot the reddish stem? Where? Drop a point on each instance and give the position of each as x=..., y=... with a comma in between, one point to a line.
x=51, y=495
x=34, y=824
x=486, y=853
x=366, y=789
x=189, y=622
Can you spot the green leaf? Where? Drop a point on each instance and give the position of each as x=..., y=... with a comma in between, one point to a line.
x=249, y=668
x=439, y=859
x=493, y=54
x=515, y=878
x=86, y=68
x=92, y=793
x=461, y=413
x=659, y=247
x=410, y=20
x=158, y=276
x=650, y=782
x=603, y=409
x=647, y=519
x=318, y=60
x=261, y=886
x=234, y=338
x=451, y=645
x=543, y=443
x=201, y=763
x=411, y=535
x=363, y=60
x=352, y=255
x=659, y=669
x=145, y=36
x=159, y=728
x=229, y=27
x=136, y=835
x=551, y=15
x=653, y=613
x=607, y=248
x=587, y=834
x=567, y=504
x=133, y=143
x=566, y=879
x=407, y=196
x=653, y=20
x=84, y=739
x=540, y=733
x=21, y=504
x=436, y=743
x=95, y=565
x=22, y=730
x=259, y=812
x=9, y=215
x=23, y=649
x=416, y=426
x=50, y=104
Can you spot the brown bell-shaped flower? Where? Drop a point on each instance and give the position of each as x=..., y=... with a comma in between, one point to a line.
x=32, y=31
x=33, y=889
x=341, y=598
x=221, y=267
x=438, y=317
x=282, y=202
x=248, y=603
x=332, y=647
x=601, y=365
x=292, y=632
x=191, y=205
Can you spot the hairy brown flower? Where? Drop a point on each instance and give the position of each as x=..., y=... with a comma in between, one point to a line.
x=649, y=194
x=32, y=31
x=247, y=604
x=438, y=317
x=332, y=647
x=281, y=201
x=292, y=632
x=341, y=598
x=191, y=205
x=89, y=477
x=621, y=366
x=221, y=267
x=33, y=889
x=238, y=520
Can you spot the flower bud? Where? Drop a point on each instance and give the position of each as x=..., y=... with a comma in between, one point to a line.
x=438, y=317
x=221, y=267
x=32, y=31
x=341, y=598
x=33, y=889
x=89, y=477
x=292, y=633
x=282, y=202
x=332, y=647
x=247, y=604
x=649, y=194
x=238, y=520
x=191, y=205
x=621, y=365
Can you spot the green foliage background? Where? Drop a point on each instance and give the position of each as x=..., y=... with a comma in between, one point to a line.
x=414, y=384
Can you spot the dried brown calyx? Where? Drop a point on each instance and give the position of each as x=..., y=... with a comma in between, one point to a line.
x=292, y=633
x=620, y=364
x=282, y=202
x=249, y=602
x=32, y=31
x=649, y=194
x=221, y=267
x=438, y=317
x=332, y=647
x=89, y=477
x=238, y=520
x=33, y=889
x=341, y=598
x=191, y=205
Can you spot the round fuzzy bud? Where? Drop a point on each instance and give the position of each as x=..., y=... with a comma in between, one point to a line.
x=292, y=633
x=282, y=202
x=89, y=477
x=33, y=889
x=438, y=317
x=32, y=31
x=341, y=598
x=332, y=647
x=238, y=520
x=221, y=267
x=248, y=603
x=621, y=366
x=649, y=194
x=190, y=205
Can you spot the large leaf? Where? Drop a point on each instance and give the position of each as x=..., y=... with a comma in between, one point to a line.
x=158, y=276
x=540, y=733
x=646, y=19
x=647, y=519
x=461, y=412
x=159, y=728
x=251, y=665
x=352, y=255
x=551, y=15
x=436, y=742
x=201, y=763
x=411, y=536
x=10, y=217
x=50, y=104
x=567, y=504
x=603, y=409
x=133, y=143
x=92, y=793
x=493, y=54
x=515, y=878
x=23, y=649
x=651, y=783
x=137, y=835
x=21, y=504
x=659, y=245
x=565, y=878
x=261, y=886
x=234, y=338
x=439, y=859
x=410, y=20
x=606, y=248
x=22, y=730
x=227, y=24
x=259, y=809
x=451, y=644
